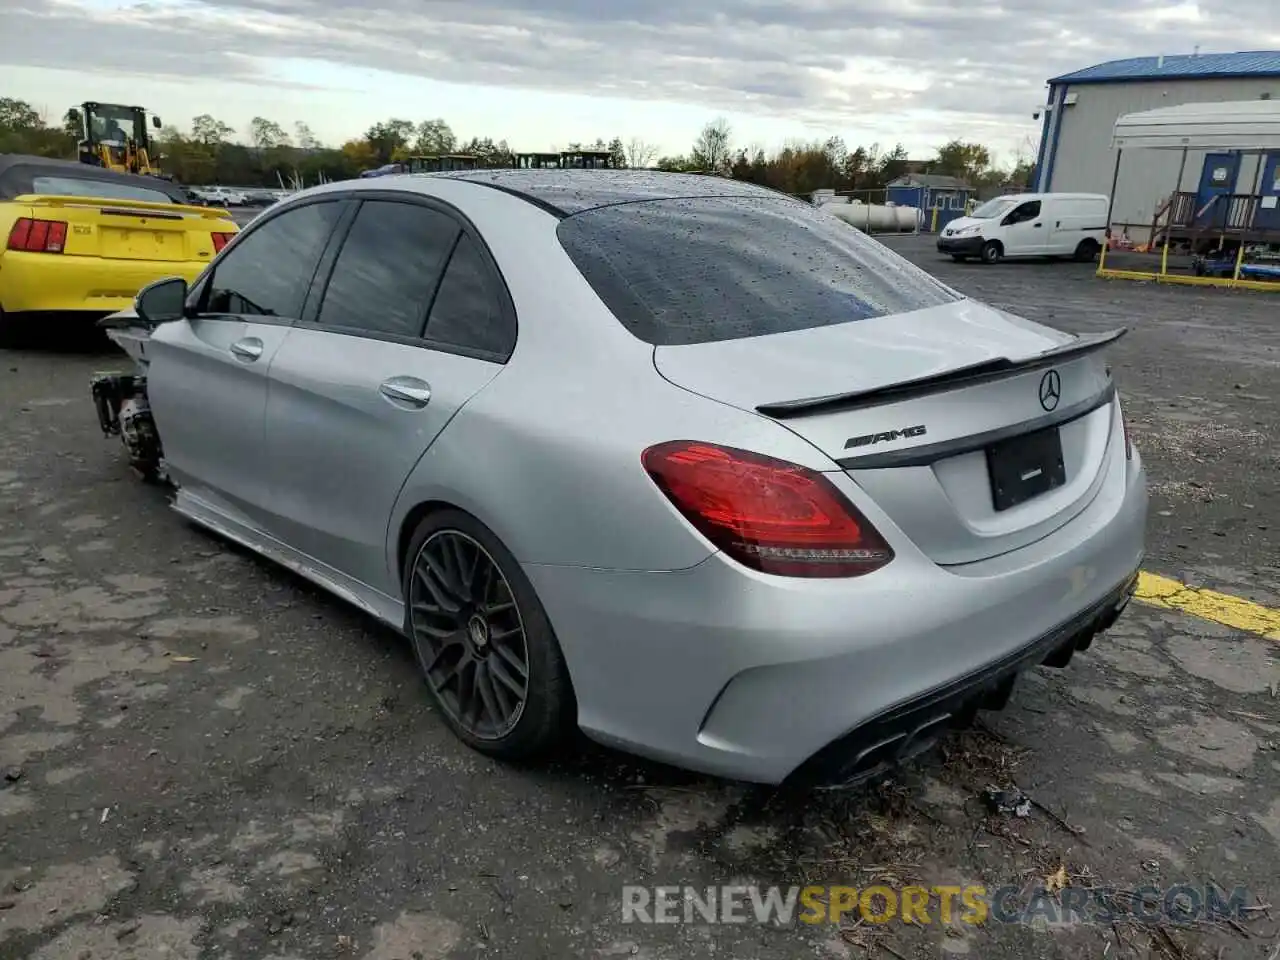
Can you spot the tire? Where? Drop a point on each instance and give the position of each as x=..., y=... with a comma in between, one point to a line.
x=546, y=714
x=992, y=252
x=1087, y=251
x=14, y=333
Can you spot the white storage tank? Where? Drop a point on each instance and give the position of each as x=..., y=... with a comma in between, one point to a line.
x=874, y=217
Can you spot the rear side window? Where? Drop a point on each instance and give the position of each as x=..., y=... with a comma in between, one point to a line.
x=706, y=269
x=76, y=187
x=388, y=268
x=468, y=311
x=268, y=272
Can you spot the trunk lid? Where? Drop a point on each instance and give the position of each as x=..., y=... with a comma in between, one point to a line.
x=132, y=229
x=937, y=414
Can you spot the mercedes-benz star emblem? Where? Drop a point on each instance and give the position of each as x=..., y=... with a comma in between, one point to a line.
x=1050, y=390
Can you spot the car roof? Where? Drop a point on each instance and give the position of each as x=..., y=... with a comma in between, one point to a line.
x=566, y=192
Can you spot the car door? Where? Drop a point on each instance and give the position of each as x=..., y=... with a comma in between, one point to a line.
x=414, y=320
x=1024, y=231
x=207, y=381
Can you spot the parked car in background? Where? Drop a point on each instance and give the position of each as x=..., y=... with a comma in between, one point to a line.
x=259, y=196
x=224, y=197
x=82, y=240
x=1029, y=225
x=681, y=461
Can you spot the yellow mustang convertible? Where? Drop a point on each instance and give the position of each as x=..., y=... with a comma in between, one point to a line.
x=81, y=240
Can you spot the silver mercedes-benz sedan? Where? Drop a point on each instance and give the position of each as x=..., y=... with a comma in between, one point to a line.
x=682, y=462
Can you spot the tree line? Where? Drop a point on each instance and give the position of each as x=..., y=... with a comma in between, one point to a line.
x=207, y=152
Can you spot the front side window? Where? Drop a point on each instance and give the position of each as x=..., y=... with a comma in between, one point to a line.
x=698, y=270
x=1028, y=211
x=268, y=272
x=388, y=268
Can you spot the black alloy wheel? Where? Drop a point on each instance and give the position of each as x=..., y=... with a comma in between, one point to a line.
x=470, y=635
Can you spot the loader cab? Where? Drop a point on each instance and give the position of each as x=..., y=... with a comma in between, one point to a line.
x=116, y=137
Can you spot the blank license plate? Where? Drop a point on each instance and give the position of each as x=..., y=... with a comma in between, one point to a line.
x=139, y=244
x=1025, y=467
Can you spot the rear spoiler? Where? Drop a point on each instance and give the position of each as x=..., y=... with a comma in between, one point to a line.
x=143, y=207
x=995, y=369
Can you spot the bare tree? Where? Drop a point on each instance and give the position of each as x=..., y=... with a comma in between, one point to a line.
x=306, y=139
x=265, y=134
x=640, y=153
x=713, y=149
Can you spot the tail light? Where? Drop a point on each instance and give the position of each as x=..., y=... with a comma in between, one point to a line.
x=38, y=236
x=220, y=240
x=769, y=515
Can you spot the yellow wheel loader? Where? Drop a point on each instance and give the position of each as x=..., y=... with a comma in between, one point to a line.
x=116, y=137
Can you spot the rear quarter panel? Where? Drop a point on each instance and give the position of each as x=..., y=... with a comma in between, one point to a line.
x=9, y=212
x=550, y=461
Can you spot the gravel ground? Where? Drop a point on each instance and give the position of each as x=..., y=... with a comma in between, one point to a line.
x=204, y=757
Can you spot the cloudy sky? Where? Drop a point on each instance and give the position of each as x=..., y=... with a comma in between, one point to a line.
x=543, y=73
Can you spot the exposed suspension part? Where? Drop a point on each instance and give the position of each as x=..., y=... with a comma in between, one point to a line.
x=123, y=411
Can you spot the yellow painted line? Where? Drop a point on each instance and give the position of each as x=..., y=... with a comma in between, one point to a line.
x=1268, y=286
x=1208, y=605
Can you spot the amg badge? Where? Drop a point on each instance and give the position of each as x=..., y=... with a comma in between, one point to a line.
x=873, y=438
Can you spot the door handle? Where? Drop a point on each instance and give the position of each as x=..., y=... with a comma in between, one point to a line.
x=249, y=349
x=410, y=390
x=1036, y=225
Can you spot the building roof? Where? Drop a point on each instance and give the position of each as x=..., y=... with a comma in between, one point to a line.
x=1198, y=66
x=936, y=181
x=1242, y=125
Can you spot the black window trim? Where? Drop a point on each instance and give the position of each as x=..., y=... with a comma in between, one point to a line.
x=198, y=298
x=320, y=285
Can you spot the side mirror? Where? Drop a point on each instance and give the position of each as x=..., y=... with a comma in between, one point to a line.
x=155, y=122
x=162, y=301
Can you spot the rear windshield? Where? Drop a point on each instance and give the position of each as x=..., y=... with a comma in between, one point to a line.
x=75, y=187
x=706, y=269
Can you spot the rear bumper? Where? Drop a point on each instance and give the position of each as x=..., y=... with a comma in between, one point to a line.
x=43, y=282
x=960, y=246
x=769, y=679
x=909, y=729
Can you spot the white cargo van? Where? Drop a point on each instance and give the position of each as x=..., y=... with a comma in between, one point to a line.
x=1029, y=225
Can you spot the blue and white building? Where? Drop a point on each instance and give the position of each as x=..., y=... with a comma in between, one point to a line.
x=1081, y=109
